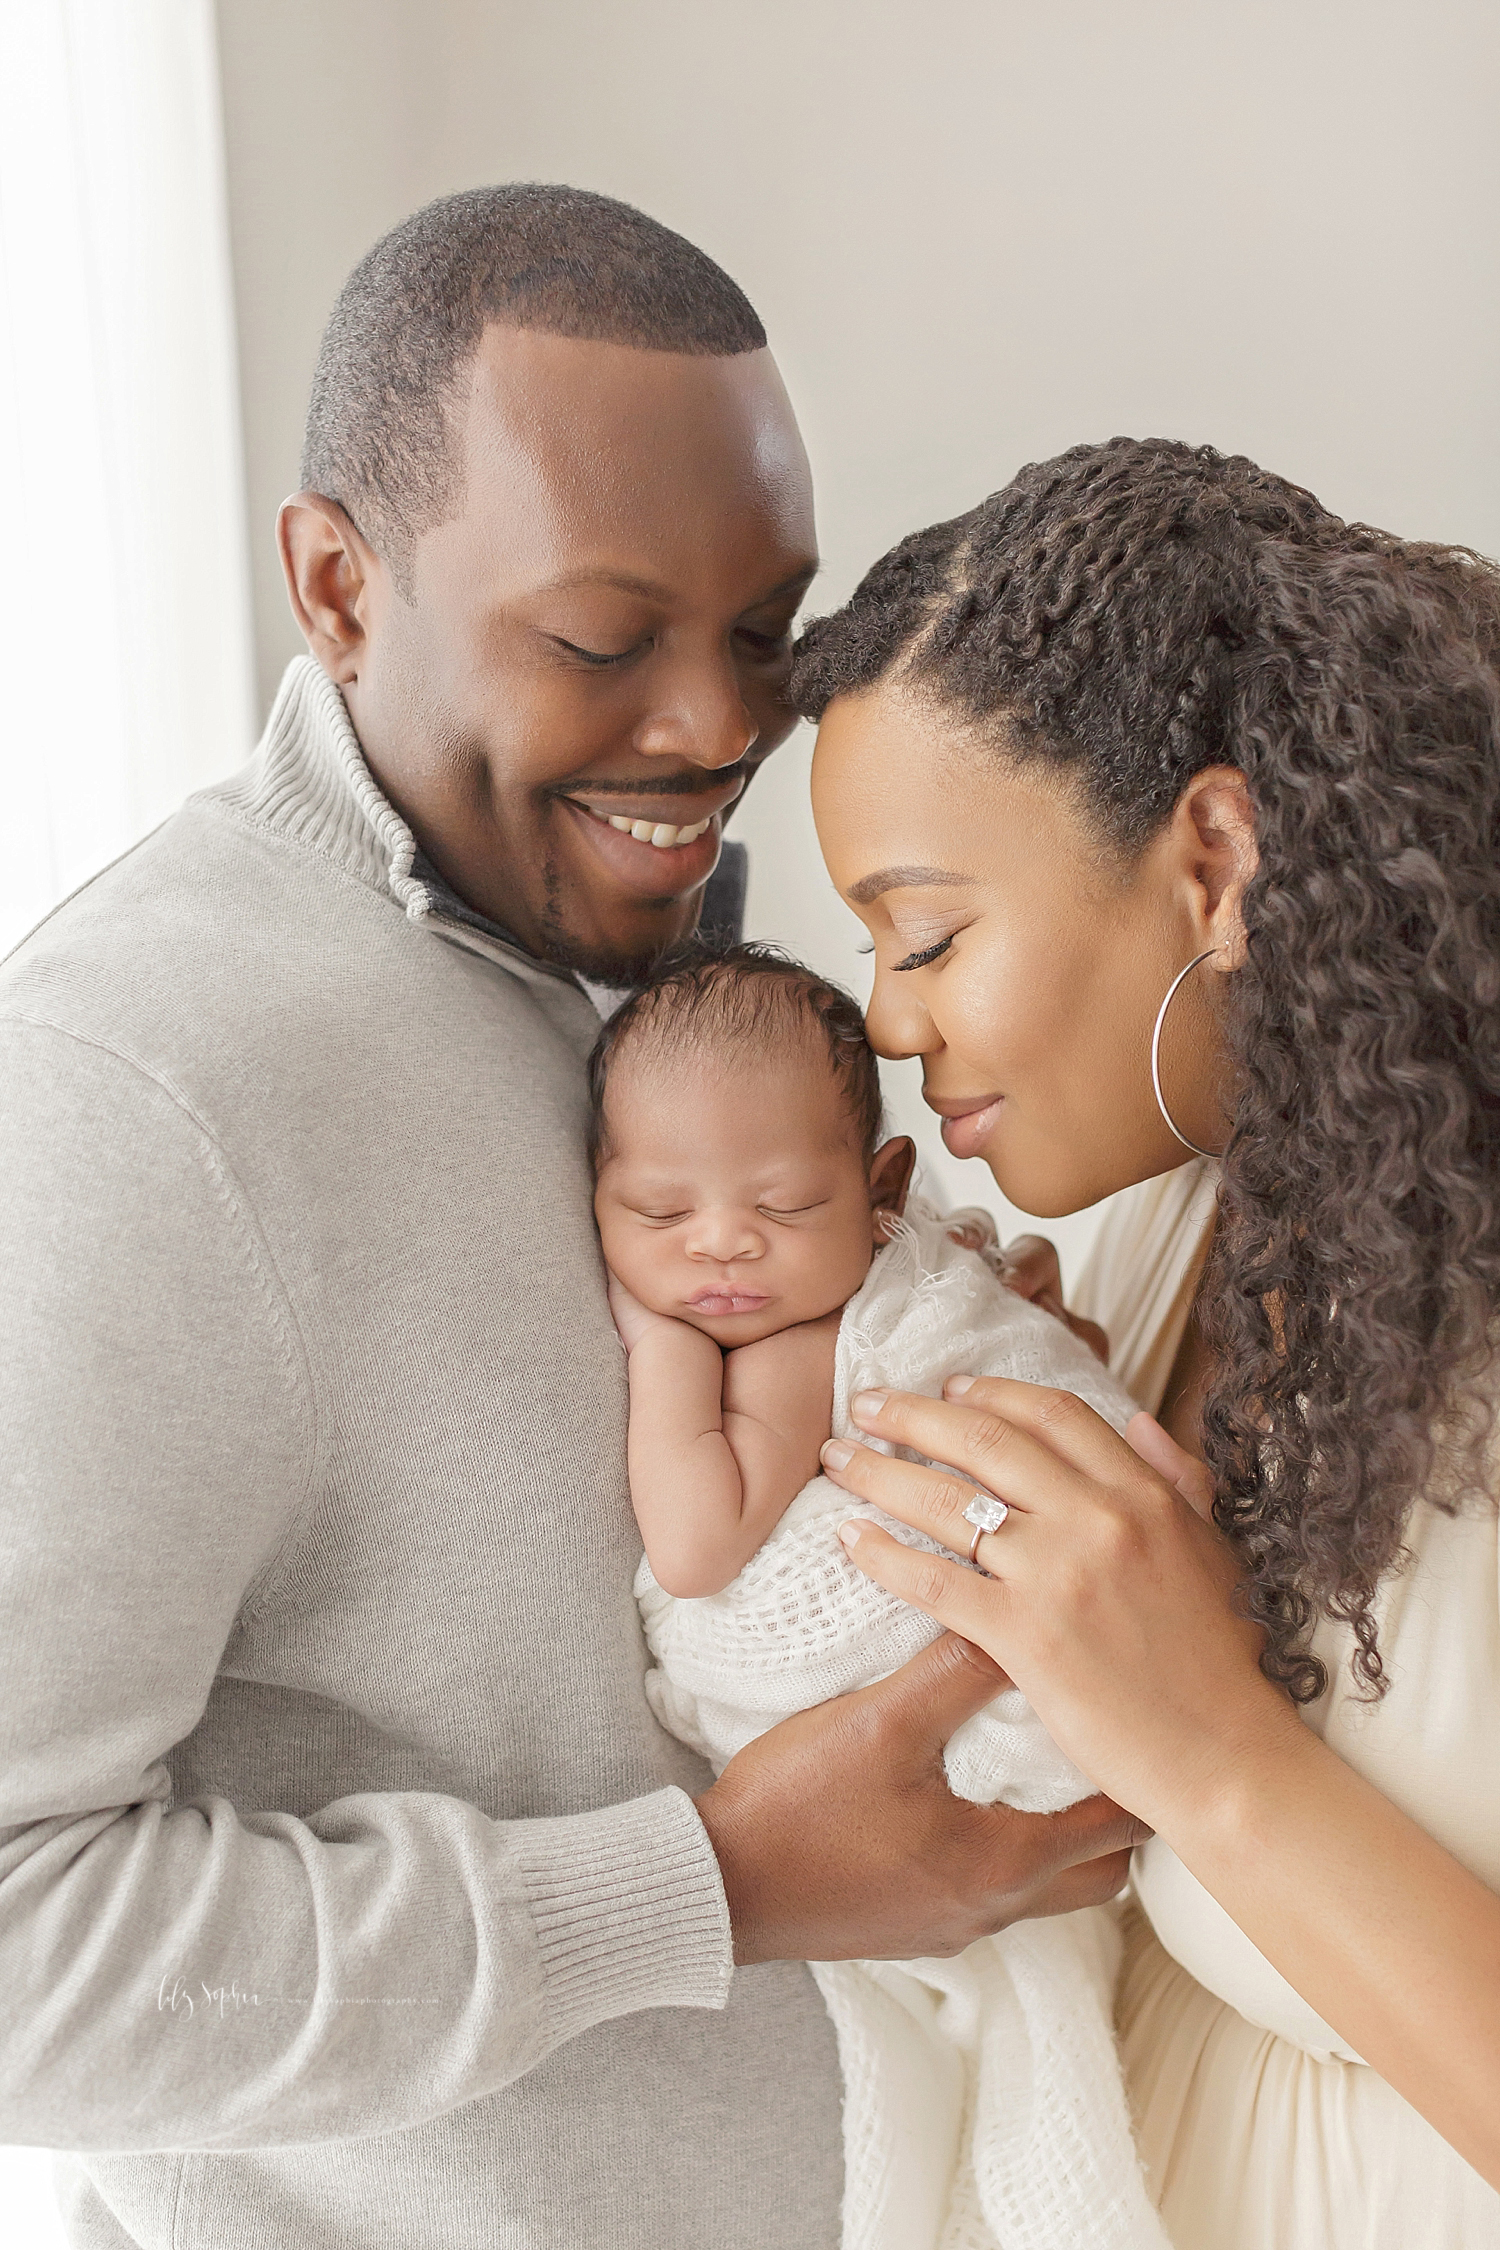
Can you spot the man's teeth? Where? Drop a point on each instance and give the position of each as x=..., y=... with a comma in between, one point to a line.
x=661, y=833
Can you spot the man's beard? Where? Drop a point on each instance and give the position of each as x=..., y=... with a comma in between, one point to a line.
x=616, y=971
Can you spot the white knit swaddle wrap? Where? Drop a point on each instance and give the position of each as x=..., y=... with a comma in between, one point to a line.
x=983, y=2106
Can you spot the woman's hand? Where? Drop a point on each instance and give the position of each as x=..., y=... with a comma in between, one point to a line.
x=1109, y=1595
x=1110, y=1607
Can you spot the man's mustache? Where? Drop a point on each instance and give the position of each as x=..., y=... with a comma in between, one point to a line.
x=692, y=781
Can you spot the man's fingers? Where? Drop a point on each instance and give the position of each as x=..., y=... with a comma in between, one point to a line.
x=1089, y=1332
x=1093, y=1884
x=1093, y=1828
x=1077, y=1857
x=1031, y=1268
x=932, y=1695
x=972, y=1228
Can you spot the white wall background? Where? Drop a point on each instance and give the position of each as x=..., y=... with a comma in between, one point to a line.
x=124, y=586
x=978, y=231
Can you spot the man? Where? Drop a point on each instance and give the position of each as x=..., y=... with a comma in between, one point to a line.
x=351, y=1895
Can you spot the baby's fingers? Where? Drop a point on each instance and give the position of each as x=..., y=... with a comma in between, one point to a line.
x=962, y=1599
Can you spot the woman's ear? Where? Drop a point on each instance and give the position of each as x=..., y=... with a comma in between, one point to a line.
x=891, y=1168
x=1213, y=835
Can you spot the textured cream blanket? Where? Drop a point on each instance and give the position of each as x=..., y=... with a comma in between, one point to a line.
x=983, y=2105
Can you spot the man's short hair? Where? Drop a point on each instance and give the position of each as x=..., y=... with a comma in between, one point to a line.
x=752, y=998
x=410, y=318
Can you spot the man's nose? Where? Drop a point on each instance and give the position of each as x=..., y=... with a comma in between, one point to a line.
x=702, y=717
x=726, y=1238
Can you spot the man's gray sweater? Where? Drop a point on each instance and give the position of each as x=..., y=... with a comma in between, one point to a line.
x=349, y=1892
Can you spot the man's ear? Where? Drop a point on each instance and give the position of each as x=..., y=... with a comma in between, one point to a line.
x=330, y=571
x=891, y=1168
x=1212, y=834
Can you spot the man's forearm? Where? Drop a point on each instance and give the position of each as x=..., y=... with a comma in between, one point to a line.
x=269, y=1981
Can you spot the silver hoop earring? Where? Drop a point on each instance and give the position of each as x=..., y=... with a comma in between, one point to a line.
x=1161, y=1017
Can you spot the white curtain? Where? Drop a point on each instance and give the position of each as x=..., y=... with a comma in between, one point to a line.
x=125, y=655
x=125, y=650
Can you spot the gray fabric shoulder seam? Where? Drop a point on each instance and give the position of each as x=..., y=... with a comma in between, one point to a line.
x=513, y=960
x=258, y=1256
x=215, y=809
x=77, y=892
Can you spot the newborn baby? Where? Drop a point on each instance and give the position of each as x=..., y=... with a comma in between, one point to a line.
x=765, y=1267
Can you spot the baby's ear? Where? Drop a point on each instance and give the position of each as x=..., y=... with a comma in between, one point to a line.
x=891, y=1168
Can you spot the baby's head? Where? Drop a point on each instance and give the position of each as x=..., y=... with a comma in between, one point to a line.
x=740, y=1181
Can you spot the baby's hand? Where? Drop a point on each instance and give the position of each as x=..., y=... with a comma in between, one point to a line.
x=631, y=1317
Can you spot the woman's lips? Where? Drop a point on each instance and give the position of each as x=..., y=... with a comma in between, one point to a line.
x=727, y=1301
x=967, y=1126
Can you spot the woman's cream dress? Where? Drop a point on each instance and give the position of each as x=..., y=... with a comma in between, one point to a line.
x=1259, y=2128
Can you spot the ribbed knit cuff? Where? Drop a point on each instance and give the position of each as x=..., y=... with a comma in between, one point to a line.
x=629, y=1911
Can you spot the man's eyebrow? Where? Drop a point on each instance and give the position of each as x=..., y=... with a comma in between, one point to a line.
x=623, y=580
x=901, y=879
x=651, y=590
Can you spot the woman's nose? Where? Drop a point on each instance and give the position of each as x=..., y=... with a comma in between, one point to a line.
x=896, y=1024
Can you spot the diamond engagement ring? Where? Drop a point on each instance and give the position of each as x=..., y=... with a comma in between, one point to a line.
x=985, y=1513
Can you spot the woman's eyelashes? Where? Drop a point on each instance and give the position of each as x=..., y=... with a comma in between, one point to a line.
x=764, y=646
x=920, y=960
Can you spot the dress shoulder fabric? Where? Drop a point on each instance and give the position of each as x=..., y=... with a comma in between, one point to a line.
x=1259, y=2127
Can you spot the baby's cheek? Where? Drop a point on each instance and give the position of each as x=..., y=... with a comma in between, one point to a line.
x=834, y=1272
x=623, y=1248
x=641, y=1273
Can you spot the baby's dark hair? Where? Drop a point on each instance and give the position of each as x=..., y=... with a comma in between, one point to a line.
x=751, y=996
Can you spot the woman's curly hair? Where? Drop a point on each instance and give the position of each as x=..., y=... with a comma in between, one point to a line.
x=1135, y=612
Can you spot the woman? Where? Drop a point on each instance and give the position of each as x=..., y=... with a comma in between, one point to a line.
x=1172, y=806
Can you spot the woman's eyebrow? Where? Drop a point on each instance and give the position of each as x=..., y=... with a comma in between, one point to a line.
x=898, y=879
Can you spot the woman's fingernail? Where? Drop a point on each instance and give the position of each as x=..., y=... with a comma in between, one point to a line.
x=836, y=1454
x=849, y=1533
x=956, y=1385
x=869, y=1403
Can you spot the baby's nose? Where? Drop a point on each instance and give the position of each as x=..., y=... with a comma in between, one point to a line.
x=728, y=1237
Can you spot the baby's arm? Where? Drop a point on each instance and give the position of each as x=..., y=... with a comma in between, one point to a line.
x=720, y=1445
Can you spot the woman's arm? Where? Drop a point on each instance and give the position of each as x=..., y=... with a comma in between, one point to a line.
x=720, y=1445
x=1109, y=1604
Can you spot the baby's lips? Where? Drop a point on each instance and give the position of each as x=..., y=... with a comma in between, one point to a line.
x=727, y=1301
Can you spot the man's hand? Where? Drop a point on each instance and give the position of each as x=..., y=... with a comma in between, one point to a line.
x=839, y=1838
x=1029, y=1266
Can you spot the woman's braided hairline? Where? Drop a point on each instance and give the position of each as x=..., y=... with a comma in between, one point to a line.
x=1135, y=612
